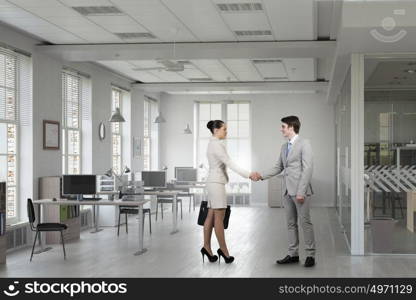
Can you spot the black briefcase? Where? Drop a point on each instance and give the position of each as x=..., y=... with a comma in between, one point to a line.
x=227, y=216
x=203, y=212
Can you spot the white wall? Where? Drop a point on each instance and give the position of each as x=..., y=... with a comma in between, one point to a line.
x=317, y=120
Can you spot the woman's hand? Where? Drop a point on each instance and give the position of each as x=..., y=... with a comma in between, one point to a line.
x=300, y=198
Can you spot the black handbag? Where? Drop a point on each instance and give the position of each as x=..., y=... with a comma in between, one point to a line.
x=203, y=212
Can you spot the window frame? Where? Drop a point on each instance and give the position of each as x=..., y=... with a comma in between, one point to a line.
x=15, y=122
x=65, y=128
x=120, y=133
x=224, y=116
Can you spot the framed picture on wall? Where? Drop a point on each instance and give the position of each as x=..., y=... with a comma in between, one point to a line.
x=51, y=135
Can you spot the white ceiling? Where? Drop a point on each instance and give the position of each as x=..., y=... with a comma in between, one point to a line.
x=221, y=70
x=199, y=21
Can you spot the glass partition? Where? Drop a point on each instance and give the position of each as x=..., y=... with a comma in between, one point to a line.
x=343, y=138
x=390, y=154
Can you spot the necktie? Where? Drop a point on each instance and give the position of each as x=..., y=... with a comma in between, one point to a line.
x=289, y=145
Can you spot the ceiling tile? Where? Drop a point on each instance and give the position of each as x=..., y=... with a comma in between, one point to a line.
x=191, y=72
x=291, y=19
x=117, y=23
x=75, y=3
x=54, y=11
x=300, y=69
x=215, y=69
x=270, y=69
x=202, y=18
x=169, y=76
x=243, y=69
x=145, y=63
x=165, y=26
x=36, y=3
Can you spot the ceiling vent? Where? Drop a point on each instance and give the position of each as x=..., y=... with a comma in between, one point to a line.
x=266, y=61
x=134, y=35
x=239, y=7
x=253, y=32
x=97, y=10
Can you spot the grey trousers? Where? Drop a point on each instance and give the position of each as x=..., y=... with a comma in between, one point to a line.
x=294, y=211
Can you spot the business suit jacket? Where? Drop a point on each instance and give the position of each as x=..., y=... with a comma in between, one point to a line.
x=219, y=160
x=297, y=168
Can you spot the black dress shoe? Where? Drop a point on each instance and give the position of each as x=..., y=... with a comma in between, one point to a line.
x=288, y=260
x=309, y=262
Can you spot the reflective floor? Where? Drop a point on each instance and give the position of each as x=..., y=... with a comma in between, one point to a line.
x=257, y=237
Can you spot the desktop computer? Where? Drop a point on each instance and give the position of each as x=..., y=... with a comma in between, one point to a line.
x=79, y=185
x=186, y=175
x=154, y=179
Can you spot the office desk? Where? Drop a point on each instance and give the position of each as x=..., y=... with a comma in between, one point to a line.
x=173, y=194
x=134, y=203
x=197, y=185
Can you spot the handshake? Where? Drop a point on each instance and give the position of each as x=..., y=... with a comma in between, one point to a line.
x=255, y=176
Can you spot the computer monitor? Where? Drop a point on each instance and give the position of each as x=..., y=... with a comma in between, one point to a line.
x=186, y=174
x=79, y=185
x=154, y=179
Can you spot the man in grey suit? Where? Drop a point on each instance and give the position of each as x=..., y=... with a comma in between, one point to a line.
x=296, y=163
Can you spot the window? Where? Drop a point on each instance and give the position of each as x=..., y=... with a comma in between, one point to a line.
x=9, y=130
x=116, y=132
x=206, y=112
x=237, y=117
x=71, y=123
x=238, y=137
x=150, y=136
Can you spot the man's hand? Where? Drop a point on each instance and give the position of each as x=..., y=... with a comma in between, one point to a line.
x=300, y=198
x=255, y=176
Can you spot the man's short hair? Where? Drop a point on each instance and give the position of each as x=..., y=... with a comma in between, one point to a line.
x=292, y=121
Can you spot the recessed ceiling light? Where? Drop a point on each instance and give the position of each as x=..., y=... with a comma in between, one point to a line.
x=239, y=7
x=97, y=10
x=410, y=71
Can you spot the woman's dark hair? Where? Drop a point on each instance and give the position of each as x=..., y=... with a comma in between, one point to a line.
x=292, y=121
x=211, y=125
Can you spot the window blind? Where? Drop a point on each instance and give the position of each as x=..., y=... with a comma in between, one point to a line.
x=15, y=87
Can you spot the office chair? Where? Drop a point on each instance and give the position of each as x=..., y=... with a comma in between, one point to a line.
x=128, y=210
x=43, y=226
x=166, y=199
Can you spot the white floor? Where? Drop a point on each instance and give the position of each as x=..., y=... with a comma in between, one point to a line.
x=256, y=237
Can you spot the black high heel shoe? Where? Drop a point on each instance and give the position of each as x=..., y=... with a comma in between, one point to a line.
x=211, y=258
x=228, y=259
